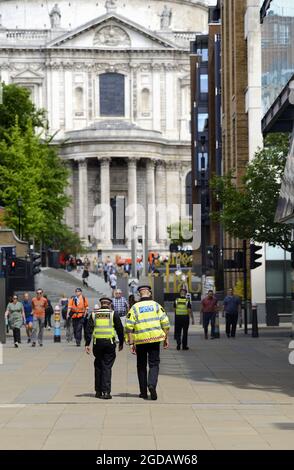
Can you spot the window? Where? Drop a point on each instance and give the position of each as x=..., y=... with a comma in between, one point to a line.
x=284, y=34
x=79, y=101
x=112, y=94
x=204, y=83
x=202, y=122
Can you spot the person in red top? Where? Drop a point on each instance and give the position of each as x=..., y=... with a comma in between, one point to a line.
x=39, y=305
x=209, y=308
x=78, y=309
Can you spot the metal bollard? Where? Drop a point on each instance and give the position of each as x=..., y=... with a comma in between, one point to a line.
x=57, y=319
x=254, y=321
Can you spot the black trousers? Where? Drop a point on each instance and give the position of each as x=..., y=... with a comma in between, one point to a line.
x=104, y=352
x=16, y=335
x=182, y=326
x=209, y=317
x=48, y=320
x=148, y=353
x=231, y=324
x=77, y=324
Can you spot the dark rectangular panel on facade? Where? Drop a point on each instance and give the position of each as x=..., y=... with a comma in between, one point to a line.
x=112, y=94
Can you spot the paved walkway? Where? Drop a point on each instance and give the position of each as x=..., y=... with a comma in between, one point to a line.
x=221, y=394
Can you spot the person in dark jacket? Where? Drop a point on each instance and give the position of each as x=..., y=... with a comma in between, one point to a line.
x=48, y=314
x=102, y=325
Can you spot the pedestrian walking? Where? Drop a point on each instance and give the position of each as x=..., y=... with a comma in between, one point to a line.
x=85, y=276
x=63, y=304
x=147, y=325
x=77, y=309
x=39, y=304
x=183, y=313
x=16, y=317
x=112, y=281
x=132, y=300
x=105, y=272
x=103, y=324
x=231, y=309
x=209, y=308
x=120, y=305
x=28, y=310
x=48, y=314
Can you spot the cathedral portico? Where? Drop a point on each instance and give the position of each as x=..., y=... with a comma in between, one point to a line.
x=117, y=92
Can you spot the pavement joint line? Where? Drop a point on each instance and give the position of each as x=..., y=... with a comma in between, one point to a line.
x=140, y=402
x=13, y=405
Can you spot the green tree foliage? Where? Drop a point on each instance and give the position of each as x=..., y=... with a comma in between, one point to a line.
x=16, y=103
x=248, y=211
x=31, y=170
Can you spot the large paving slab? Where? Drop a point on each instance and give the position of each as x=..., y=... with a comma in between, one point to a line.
x=220, y=394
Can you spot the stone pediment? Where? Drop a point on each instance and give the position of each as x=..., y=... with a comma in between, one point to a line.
x=112, y=31
x=28, y=75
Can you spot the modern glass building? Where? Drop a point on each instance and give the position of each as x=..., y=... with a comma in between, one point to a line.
x=277, y=34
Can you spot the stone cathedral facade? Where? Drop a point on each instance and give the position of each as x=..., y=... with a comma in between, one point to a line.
x=114, y=77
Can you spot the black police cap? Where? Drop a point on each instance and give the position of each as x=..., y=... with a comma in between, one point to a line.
x=144, y=287
x=105, y=299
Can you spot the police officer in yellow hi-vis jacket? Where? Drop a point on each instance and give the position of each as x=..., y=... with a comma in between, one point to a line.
x=147, y=325
x=183, y=313
x=102, y=325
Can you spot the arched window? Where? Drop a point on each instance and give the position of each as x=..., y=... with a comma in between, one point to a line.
x=79, y=101
x=145, y=101
x=189, y=193
x=112, y=94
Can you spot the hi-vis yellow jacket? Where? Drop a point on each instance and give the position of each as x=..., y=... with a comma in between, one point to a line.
x=146, y=321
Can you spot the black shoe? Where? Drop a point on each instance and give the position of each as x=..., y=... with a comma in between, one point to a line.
x=78, y=344
x=186, y=348
x=152, y=393
x=29, y=340
x=107, y=396
x=33, y=345
x=98, y=395
x=101, y=396
x=228, y=336
x=212, y=337
x=206, y=337
x=144, y=396
x=178, y=347
x=40, y=344
x=16, y=345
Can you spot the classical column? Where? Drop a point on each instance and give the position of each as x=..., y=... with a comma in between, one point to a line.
x=105, y=202
x=156, y=97
x=173, y=192
x=160, y=192
x=55, y=85
x=69, y=211
x=83, y=199
x=171, y=99
x=150, y=200
x=68, y=99
x=132, y=193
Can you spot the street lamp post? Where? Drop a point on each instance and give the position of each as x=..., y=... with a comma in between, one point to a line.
x=19, y=205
